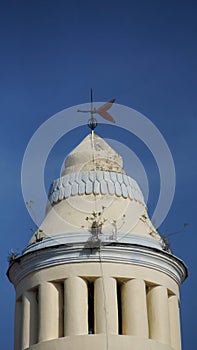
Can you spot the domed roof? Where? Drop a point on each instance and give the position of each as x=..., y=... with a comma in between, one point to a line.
x=94, y=194
x=93, y=153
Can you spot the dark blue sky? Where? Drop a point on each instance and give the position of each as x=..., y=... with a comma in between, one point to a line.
x=144, y=53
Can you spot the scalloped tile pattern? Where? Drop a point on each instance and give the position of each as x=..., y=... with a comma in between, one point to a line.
x=95, y=182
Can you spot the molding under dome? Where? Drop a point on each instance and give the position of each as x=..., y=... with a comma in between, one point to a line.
x=95, y=252
x=86, y=236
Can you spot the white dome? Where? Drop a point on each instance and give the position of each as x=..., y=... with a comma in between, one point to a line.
x=94, y=190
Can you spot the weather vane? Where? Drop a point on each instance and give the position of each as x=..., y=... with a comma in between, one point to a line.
x=102, y=111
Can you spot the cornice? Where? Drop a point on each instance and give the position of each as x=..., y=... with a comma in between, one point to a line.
x=95, y=252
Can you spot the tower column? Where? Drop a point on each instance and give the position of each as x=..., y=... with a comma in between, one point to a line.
x=28, y=320
x=48, y=312
x=25, y=321
x=18, y=325
x=106, y=307
x=158, y=314
x=174, y=322
x=75, y=306
x=134, y=308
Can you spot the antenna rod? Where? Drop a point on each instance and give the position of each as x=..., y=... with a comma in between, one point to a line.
x=91, y=100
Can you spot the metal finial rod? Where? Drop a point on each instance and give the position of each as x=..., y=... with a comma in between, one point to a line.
x=91, y=98
x=92, y=122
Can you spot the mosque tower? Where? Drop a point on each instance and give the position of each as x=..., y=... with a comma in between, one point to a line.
x=97, y=274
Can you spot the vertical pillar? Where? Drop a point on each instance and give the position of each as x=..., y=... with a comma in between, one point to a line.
x=18, y=325
x=48, y=312
x=158, y=314
x=25, y=339
x=106, y=307
x=29, y=320
x=134, y=308
x=75, y=306
x=174, y=322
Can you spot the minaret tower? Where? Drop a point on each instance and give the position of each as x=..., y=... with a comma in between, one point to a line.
x=96, y=275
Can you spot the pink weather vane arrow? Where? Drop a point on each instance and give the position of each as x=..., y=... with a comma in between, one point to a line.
x=102, y=111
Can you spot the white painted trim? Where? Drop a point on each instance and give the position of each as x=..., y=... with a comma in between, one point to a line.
x=109, y=252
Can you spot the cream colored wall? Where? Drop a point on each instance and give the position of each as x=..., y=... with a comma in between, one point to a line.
x=149, y=312
x=101, y=342
x=70, y=215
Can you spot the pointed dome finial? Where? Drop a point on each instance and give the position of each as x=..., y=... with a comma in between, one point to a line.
x=93, y=153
